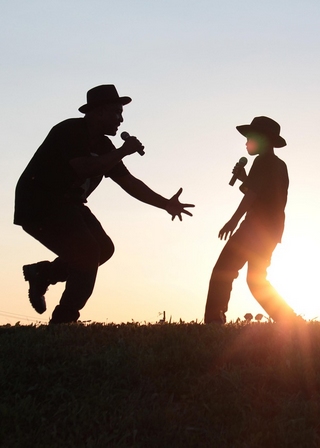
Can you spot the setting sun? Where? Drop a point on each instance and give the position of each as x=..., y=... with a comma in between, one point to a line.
x=294, y=274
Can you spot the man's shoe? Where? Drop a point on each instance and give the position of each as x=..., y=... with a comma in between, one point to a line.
x=38, y=284
x=64, y=315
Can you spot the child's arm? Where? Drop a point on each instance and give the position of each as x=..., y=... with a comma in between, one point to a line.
x=246, y=203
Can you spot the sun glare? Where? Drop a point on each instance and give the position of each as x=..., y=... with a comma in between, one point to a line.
x=293, y=272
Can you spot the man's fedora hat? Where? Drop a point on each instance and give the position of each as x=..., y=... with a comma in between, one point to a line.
x=265, y=126
x=101, y=95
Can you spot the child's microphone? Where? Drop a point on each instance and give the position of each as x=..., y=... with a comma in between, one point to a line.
x=242, y=162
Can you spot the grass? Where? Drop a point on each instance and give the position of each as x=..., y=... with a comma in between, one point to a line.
x=171, y=385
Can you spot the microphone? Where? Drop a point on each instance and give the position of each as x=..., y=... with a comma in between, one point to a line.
x=242, y=161
x=125, y=135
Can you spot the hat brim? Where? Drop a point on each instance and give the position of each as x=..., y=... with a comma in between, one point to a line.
x=123, y=100
x=276, y=140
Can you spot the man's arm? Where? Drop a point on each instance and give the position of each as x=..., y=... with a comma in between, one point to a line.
x=88, y=166
x=139, y=190
x=245, y=205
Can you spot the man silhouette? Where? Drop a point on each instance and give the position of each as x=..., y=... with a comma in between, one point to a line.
x=53, y=189
x=265, y=196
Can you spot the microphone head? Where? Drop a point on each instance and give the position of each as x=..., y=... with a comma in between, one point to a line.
x=124, y=135
x=243, y=161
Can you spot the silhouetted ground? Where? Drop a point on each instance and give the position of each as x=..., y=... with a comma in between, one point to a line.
x=170, y=385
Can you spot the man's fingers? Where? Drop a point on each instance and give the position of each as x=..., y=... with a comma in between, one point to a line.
x=176, y=208
x=178, y=193
x=179, y=215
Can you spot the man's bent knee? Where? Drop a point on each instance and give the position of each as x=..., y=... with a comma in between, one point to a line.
x=106, y=252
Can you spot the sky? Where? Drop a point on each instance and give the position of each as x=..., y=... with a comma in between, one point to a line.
x=194, y=70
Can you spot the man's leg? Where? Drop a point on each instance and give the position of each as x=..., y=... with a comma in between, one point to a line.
x=231, y=260
x=40, y=276
x=97, y=249
x=78, y=239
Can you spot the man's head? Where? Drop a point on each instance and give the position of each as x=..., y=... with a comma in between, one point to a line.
x=102, y=95
x=262, y=133
x=104, y=108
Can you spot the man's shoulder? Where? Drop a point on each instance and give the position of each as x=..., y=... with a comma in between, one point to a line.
x=67, y=133
x=64, y=137
x=70, y=124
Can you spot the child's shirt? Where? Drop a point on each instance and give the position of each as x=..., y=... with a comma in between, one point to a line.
x=268, y=178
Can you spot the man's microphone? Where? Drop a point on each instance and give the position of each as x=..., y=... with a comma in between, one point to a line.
x=125, y=135
x=242, y=162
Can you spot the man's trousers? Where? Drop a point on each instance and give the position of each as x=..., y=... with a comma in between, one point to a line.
x=74, y=234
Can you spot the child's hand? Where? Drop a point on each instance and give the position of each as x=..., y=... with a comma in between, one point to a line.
x=228, y=229
x=240, y=172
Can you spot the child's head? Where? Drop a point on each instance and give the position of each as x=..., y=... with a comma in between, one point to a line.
x=258, y=143
x=262, y=134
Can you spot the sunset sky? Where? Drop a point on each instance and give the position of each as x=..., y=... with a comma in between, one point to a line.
x=195, y=70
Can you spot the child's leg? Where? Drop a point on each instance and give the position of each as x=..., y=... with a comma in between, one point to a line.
x=263, y=291
x=231, y=260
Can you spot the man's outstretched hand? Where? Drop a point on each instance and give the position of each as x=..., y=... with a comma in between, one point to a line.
x=176, y=208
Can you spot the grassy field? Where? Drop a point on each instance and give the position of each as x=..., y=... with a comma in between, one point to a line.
x=168, y=385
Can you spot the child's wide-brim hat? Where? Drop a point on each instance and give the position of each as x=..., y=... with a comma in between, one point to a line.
x=103, y=95
x=265, y=126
